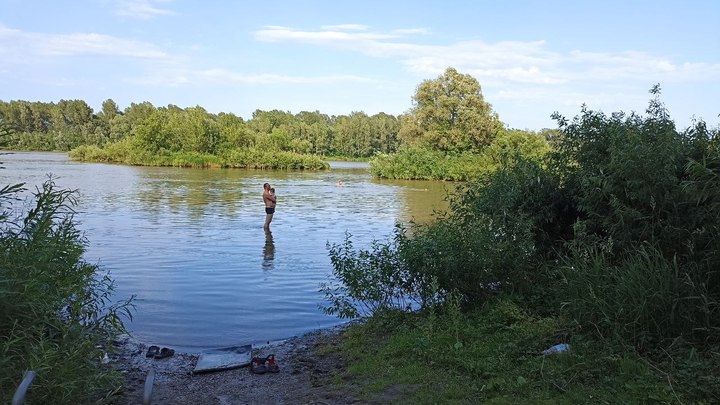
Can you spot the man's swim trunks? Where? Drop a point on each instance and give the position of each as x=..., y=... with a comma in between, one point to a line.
x=269, y=210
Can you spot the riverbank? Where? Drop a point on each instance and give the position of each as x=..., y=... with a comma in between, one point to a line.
x=307, y=363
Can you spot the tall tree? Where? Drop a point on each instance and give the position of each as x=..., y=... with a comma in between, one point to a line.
x=451, y=114
x=109, y=110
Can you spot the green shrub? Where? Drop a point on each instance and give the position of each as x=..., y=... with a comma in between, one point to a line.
x=638, y=199
x=646, y=196
x=57, y=317
x=422, y=163
x=125, y=151
x=252, y=158
x=366, y=282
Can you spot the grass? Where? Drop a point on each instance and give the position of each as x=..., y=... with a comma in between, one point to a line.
x=495, y=357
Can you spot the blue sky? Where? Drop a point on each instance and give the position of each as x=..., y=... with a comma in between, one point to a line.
x=530, y=57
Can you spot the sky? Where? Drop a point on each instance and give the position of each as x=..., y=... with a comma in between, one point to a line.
x=531, y=58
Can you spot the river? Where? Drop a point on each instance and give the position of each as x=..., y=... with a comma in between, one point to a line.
x=189, y=243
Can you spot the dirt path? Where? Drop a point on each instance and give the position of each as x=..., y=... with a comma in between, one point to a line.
x=306, y=365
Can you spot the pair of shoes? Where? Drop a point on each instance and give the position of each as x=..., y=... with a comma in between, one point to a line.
x=152, y=351
x=165, y=352
x=261, y=366
x=158, y=353
x=257, y=366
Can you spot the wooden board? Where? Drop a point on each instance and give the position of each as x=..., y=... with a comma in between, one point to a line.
x=223, y=359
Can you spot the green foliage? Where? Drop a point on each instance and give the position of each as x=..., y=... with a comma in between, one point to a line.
x=616, y=227
x=645, y=219
x=612, y=234
x=57, y=317
x=475, y=258
x=642, y=298
x=366, y=282
x=263, y=159
x=5, y=133
x=66, y=125
x=422, y=163
x=127, y=152
x=450, y=114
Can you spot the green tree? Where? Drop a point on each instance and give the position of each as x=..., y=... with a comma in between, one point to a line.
x=150, y=133
x=313, y=128
x=109, y=110
x=233, y=132
x=353, y=135
x=386, y=128
x=263, y=122
x=450, y=114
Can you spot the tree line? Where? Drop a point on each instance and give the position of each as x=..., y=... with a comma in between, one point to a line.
x=68, y=124
x=450, y=133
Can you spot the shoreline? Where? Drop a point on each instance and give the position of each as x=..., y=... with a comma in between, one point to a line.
x=306, y=364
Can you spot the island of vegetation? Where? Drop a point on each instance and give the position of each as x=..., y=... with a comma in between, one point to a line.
x=600, y=234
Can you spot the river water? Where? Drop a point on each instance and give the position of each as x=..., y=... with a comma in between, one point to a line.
x=189, y=244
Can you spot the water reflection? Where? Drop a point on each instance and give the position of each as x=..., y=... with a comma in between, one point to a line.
x=195, y=193
x=420, y=201
x=268, y=251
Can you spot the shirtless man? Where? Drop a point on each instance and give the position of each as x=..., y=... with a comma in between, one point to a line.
x=269, y=200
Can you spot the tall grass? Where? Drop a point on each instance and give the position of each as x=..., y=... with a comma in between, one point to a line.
x=641, y=299
x=57, y=316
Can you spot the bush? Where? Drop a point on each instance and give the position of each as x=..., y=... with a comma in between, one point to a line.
x=422, y=163
x=57, y=317
x=646, y=196
x=366, y=282
x=616, y=227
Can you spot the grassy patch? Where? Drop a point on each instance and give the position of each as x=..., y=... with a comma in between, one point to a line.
x=496, y=357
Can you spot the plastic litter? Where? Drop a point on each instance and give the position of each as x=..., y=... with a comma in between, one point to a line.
x=562, y=347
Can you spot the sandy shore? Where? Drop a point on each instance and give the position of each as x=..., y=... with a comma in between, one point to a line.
x=307, y=364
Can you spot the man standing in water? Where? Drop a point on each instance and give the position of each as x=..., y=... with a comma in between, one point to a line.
x=269, y=200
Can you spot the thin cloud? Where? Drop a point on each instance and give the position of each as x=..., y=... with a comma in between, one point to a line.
x=528, y=62
x=345, y=27
x=411, y=31
x=224, y=76
x=279, y=34
x=142, y=9
x=175, y=78
x=14, y=42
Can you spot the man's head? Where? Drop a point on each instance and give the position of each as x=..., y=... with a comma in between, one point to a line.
x=266, y=186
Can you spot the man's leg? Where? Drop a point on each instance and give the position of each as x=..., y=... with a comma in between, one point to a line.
x=268, y=219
